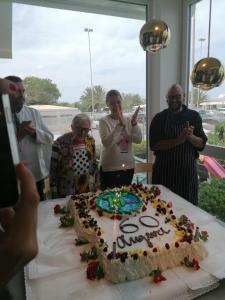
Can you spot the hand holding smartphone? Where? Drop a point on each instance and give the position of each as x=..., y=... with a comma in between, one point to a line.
x=9, y=156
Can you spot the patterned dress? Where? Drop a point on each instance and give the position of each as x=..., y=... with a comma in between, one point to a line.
x=73, y=166
x=176, y=168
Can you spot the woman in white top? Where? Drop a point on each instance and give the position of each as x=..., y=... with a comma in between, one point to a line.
x=117, y=133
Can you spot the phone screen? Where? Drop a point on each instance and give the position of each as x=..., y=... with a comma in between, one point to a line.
x=9, y=156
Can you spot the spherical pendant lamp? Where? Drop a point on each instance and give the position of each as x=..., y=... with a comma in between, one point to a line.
x=154, y=36
x=207, y=72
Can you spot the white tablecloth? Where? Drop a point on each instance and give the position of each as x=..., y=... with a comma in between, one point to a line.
x=57, y=273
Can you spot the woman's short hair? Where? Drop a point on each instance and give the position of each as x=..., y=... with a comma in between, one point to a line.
x=112, y=93
x=78, y=119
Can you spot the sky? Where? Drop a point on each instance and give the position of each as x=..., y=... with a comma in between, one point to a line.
x=51, y=43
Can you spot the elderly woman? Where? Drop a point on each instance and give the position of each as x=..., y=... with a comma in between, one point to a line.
x=117, y=133
x=73, y=164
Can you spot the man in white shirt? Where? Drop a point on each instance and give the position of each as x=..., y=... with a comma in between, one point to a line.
x=32, y=134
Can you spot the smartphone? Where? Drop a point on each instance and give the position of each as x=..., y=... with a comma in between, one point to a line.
x=9, y=156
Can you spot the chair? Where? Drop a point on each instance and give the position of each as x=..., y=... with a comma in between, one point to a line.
x=142, y=168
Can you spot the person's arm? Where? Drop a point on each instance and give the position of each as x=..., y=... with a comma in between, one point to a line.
x=109, y=138
x=94, y=167
x=134, y=116
x=35, y=128
x=18, y=239
x=43, y=135
x=136, y=133
x=171, y=143
x=26, y=128
x=157, y=139
x=196, y=141
x=54, y=167
x=197, y=135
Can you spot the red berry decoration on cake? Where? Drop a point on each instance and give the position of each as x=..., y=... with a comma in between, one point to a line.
x=58, y=209
x=204, y=235
x=94, y=271
x=190, y=263
x=157, y=276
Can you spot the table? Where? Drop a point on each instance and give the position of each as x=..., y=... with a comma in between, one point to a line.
x=58, y=274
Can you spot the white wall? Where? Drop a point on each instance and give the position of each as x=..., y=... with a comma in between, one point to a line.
x=166, y=66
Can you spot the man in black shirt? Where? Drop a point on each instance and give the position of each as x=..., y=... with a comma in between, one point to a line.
x=176, y=136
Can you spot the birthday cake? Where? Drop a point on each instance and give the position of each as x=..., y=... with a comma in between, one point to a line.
x=134, y=232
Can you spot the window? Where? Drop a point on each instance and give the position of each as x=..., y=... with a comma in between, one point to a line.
x=56, y=45
x=210, y=104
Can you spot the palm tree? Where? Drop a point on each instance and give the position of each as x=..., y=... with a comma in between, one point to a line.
x=98, y=98
x=197, y=96
x=130, y=100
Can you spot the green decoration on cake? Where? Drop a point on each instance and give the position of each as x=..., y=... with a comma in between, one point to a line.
x=81, y=241
x=89, y=255
x=116, y=201
x=119, y=202
x=66, y=221
x=190, y=263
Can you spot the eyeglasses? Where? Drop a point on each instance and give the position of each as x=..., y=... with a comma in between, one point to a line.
x=171, y=97
x=86, y=130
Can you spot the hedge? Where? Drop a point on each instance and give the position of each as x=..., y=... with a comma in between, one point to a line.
x=212, y=197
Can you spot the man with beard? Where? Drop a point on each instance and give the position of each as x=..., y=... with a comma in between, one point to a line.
x=176, y=136
x=34, y=138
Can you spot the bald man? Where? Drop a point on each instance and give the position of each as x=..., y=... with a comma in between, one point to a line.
x=176, y=136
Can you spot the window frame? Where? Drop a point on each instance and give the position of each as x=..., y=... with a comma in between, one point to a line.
x=211, y=150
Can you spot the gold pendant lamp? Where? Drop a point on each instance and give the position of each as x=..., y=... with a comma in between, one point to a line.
x=154, y=35
x=207, y=72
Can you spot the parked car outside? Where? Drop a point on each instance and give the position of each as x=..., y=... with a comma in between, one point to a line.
x=94, y=124
x=141, y=118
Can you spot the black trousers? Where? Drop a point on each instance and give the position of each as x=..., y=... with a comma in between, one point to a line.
x=40, y=187
x=116, y=178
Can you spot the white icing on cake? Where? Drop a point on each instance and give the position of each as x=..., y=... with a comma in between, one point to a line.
x=159, y=243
